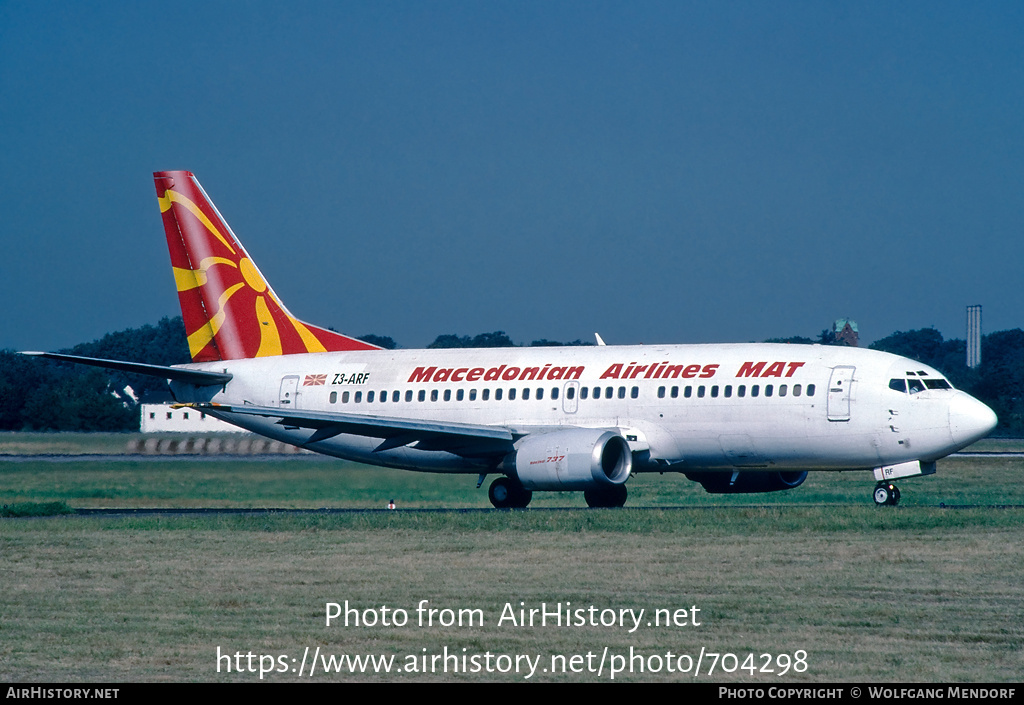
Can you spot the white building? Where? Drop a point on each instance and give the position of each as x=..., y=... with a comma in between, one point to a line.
x=162, y=418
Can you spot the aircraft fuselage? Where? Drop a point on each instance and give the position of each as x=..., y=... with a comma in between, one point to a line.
x=679, y=407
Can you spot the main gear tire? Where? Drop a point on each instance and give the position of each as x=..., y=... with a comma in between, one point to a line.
x=606, y=497
x=506, y=493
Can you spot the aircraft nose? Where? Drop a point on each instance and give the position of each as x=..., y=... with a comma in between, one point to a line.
x=969, y=419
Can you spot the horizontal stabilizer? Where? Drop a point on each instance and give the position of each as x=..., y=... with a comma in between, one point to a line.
x=200, y=378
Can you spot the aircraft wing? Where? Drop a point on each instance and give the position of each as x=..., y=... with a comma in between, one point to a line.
x=459, y=438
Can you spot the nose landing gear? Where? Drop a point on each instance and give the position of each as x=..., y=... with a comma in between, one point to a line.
x=887, y=493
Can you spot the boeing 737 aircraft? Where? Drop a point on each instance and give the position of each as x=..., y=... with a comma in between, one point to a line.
x=735, y=418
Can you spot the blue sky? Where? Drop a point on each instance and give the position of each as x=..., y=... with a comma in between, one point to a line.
x=657, y=172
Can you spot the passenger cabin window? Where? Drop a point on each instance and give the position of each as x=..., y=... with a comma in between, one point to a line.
x=810, y=390
x=334, y=397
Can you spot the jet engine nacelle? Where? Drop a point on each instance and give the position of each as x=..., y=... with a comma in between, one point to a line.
x=573, y=459
x=748, y=481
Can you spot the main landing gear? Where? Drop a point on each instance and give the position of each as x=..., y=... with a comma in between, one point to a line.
x=887, y=493
x=507, y=493
x=606, y=497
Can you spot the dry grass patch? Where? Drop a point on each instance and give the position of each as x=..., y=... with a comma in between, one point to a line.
x=115, y=600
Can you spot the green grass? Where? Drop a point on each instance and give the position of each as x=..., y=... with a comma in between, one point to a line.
x=64, y=443
x=310, y=481
x=998, y=445
x=313, y=482
x=915, y=593
x=35, y=509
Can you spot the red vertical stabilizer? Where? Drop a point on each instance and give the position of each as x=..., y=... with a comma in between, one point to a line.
x=230, y=311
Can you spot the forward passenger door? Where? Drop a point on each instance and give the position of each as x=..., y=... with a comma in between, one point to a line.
x=839, y=393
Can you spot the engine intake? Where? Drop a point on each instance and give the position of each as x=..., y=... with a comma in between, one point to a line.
x=748, y=481
x=574, y=459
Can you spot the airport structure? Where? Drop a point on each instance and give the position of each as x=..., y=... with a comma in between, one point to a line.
x=973, y=336
x=164, y=418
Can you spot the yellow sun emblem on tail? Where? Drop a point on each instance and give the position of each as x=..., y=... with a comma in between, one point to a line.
x=266, y=310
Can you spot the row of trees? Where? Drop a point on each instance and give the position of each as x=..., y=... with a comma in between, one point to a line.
x=38, y=394
x=45, y=395
x=497, y=339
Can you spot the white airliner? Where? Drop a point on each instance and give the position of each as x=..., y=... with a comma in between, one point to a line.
x=735, y=418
